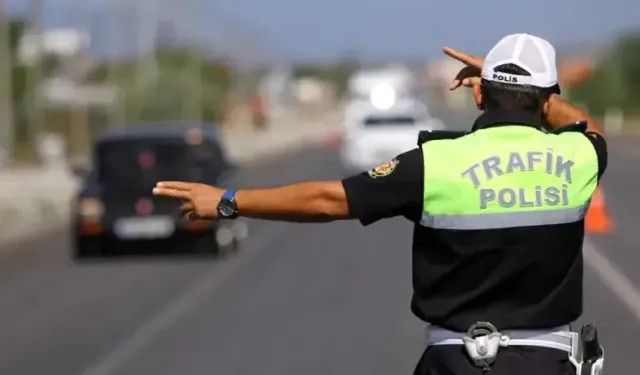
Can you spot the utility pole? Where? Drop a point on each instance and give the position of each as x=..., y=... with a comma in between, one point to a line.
x=117, y=111
x=145, y=66
x=81, y=124
x=194, y=101
x=35, y=108
x=7, y=123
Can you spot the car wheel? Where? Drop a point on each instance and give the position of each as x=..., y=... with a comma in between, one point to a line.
x=87, y=251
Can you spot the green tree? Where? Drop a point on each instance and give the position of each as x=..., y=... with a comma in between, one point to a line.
x=187, y=86
x=616, y=79
x=23, y=87
x=21, y=91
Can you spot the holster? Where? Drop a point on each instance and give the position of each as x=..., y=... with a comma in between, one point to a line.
x=590, y=357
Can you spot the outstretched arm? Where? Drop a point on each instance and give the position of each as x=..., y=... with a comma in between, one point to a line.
x=302, y=202
x=394, y=189
x=319, y=201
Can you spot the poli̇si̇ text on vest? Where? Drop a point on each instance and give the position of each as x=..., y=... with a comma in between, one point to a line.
x=495, y=166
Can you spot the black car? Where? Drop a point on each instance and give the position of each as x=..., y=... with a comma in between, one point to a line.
x=115, y=211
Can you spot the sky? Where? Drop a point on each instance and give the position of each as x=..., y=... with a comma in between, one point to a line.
x=373, y=29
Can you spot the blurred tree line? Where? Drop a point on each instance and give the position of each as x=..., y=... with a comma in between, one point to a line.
x=172, y=83
x=615, y=82
x=337, y=73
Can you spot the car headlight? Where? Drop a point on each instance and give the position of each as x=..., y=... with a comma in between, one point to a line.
x=383, y=97
x=90, y=208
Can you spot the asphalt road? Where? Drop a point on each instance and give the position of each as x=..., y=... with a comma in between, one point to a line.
x=300, y=298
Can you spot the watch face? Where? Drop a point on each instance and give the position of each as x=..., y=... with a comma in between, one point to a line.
x=227, y=208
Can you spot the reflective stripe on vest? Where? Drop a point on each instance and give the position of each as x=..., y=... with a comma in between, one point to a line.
x=508, y=176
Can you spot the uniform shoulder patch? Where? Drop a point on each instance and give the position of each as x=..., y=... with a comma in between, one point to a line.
x=384, y=169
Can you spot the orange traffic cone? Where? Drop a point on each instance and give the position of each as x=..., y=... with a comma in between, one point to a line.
x=597, y=220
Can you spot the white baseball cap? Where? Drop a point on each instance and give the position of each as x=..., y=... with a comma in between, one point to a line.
x=531, y=53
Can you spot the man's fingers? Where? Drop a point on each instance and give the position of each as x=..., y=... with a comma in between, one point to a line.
x=471, y=81
x=190, y=215
x=177, y=185
x=458, y=55
x=186, y=208
x=171, y=192
x=465, y=58
x=455, y=84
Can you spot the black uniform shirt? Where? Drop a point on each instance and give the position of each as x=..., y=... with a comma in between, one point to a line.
x=529, y=277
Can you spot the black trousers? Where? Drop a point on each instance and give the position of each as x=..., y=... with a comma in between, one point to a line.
x=514, y=360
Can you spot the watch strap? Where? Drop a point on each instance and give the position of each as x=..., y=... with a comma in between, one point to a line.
x=229, y=195
x=228, y=198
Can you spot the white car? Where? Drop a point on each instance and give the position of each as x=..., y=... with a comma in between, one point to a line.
x=373, y=136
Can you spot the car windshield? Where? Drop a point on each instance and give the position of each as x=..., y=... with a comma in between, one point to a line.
x=389, y=121
x=136, y=165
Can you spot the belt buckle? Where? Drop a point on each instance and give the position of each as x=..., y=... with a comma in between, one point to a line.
x=481, y=329
x=482, y=342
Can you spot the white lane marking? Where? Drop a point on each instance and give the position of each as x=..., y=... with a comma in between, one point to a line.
x=613, y=277
x=180, y=306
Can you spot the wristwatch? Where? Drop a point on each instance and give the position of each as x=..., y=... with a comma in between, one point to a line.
x=228, y=208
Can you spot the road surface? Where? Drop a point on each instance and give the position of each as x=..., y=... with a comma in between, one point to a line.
x=300, y=299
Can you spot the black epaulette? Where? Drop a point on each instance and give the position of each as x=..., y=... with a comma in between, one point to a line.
x=580, y=126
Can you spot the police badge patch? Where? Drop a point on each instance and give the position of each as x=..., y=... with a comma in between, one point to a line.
x=384, y=169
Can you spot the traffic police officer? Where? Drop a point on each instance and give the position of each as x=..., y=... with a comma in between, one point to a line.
x=498, y=213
